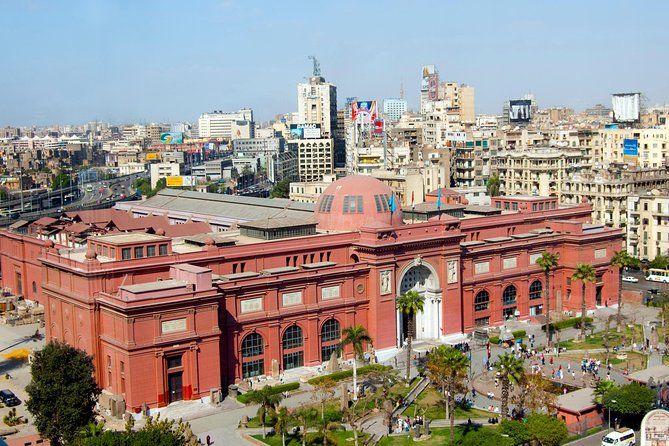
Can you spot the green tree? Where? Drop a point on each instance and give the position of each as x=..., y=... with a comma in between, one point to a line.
x=62, y=392
x=492, y=186
x=60, y=181
x=355, y=336
x=410, y=303
x=631, y=400
x=512, y=372
x=156, y=432
x=547, y=430
x=517, y=431
x=268, y=402
x=281, y=190
x=283, y=422
x=305, y=417
x=585, y=273
x=660, y=262
x=323, y=391
x=484, y=437
x=602, y=388
x=448, y=367
x=622, y=260
x=548, y=262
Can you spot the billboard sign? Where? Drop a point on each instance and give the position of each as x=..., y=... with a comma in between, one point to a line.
x=364, y=112
x=152, y=156
x=630, y=151
x=174, y=181
x=655, y=424
x=172, y=138
x=378, y=127
x=305, y=131
x=626, y=107
x=428, y=70
x=520, y=110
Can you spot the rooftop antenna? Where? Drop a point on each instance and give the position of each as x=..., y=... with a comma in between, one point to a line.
x=317, y=65
x=401, y=89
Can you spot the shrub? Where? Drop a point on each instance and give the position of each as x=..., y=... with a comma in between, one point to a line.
x=245, y=398
x=568, y=323
x=519, y=334
x=494, y=340
x=338, y=376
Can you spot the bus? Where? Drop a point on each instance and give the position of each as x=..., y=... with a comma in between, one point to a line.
x=657, y=275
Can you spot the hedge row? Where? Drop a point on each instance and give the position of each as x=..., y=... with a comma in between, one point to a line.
x=338, y=376
x=519, y=334
x=568, y=323
x=246, y=398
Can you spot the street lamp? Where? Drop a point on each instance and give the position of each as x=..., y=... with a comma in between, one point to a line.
x=613, y=402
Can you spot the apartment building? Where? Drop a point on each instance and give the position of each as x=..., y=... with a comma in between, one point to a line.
x=219, y=124
x=536, y=171
x=652, y=146
x=648, y=224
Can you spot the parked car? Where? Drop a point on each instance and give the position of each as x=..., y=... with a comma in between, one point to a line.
x=8, y=398
x=631, y=279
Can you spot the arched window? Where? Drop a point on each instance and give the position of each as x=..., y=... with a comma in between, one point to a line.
x=293, y=343
x=535, y=290
x=509, y=295
x=253, y=348
x=330, y=338
x=481, y=301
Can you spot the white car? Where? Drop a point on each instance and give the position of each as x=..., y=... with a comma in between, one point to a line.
x=630, y=279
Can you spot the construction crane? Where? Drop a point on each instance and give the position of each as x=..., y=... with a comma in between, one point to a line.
x=317, y=65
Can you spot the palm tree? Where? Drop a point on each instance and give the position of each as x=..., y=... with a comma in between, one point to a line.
x=622, y=260
x=512, y=371
x=283, y=420
x=410, y=303
x=355, y=336
x=267, y=400
x=305, y=416
x=448, y=366
x=548, y=262
x=585, y=273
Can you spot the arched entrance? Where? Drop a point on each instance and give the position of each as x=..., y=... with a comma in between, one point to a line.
x=422, y=277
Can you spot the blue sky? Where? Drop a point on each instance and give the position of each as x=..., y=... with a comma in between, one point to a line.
x=148, y=61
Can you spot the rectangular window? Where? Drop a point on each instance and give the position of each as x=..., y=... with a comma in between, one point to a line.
x=109, y=370
x=113, y=253
x=253, y=368
x=293, y=360
x=151, y=251
x=541, y=206
x=536, y=310
x=162, y=249
x=534, y=207
x=482, y=322
x=514, y=206
x=126, y=253
x=481, y=267
x=122, y=377
x=139, y=252
x=173, y=362
x=106, y=251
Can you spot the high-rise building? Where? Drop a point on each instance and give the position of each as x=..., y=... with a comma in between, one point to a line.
x=317, y=104
x=219, y=124
x=393, y=108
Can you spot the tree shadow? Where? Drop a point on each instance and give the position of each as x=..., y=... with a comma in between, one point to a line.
x=9, y=365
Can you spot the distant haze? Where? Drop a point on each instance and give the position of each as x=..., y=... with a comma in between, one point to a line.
x=154, y=61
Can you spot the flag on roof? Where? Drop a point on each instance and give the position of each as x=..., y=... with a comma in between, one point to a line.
x=392, y=203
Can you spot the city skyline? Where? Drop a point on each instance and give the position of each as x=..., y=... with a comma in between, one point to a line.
x=79, y=61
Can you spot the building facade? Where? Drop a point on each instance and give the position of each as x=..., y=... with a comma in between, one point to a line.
x=168, y=319
x=317, y=104
x=393, y=108
x=219, y=124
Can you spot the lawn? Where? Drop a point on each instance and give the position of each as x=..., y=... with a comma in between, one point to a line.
x=635, y=361
x=432, y=401
x=344, y=438
x=595, y=340
x=439, y=437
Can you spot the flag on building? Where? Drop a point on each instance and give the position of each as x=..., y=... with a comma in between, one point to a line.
x=439, y=199
x=392, y=204
x=413, y=205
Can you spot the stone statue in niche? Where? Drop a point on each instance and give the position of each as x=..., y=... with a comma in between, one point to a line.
x=452, y=271
x=385, y=282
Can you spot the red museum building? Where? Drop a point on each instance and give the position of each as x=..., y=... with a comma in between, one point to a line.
x=173, y=318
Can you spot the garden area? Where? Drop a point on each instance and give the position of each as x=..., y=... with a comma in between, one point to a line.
x=431, y=405
x=337, y=437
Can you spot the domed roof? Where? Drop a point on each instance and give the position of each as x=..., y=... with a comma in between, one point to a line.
x=356, y=201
